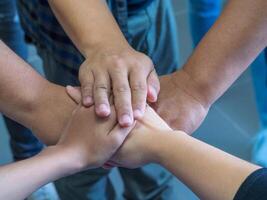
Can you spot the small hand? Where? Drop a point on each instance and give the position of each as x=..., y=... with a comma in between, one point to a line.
x=137, y=150
x=89, y=140
x=126, y=73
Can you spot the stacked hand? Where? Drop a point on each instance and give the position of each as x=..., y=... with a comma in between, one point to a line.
x=134, y=151
x=138, y=149
x=178, y=105
x=128, y=74
x=89, y=141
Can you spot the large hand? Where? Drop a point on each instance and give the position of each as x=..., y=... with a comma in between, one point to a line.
x=128, y=74
x=89, y=140
x=179, y=102
x=137, y=150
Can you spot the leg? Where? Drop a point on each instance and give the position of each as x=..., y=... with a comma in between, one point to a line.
x=92, y=184
x=148, y=182
x=259, y=74
x=202, y=16
x=157, y=38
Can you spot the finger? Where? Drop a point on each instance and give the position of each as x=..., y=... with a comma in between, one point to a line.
x=101, y=94
x=153, y=87
x=87, y=84
x=138, y=84
x=122, y=97
x=74, y=93
x=118, y=134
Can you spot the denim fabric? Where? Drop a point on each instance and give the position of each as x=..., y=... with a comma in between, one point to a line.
x=203, y=14
x=152, y=30
x=23, y=143
x=43, y=29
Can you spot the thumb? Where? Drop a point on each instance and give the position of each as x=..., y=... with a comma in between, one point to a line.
x=119, y=134
x=153, y=87
x=74, y=93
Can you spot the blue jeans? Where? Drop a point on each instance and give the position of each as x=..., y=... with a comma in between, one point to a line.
x=23, y=143
x=203, y=13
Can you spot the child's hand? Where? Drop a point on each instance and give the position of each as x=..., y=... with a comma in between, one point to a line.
x=138, y=149
x=89, y=140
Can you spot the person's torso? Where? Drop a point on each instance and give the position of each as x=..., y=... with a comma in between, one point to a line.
x=42, y=28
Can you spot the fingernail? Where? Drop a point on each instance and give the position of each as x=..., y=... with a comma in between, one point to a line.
x=153, y=94
x=138, y=114
x=103, y=109
x=125, y=120
x=87, y=100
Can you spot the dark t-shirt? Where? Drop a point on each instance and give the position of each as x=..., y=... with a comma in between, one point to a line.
x=254, y=187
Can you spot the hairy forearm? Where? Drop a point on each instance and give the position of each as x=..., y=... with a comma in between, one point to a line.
x=29, y=99
x=89, y=23
x=208, y=171
x=237, y=37
x=20, y=179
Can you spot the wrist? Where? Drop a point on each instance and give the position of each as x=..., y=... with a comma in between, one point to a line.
x=159, y=143
x=107, y=48
x=61, y=160
x=193, y=87
x=162, y=150
x=52, y=110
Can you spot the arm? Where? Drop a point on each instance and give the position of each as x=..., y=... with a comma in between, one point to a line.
x=230, y=46
x=110, y=62
x=31, y=100
x=77, y=150
x=208, y=171
x=237, y=37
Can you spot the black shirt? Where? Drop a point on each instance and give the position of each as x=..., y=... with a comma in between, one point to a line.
x=254, y=187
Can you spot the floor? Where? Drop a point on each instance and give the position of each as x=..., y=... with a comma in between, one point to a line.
x=230, y=125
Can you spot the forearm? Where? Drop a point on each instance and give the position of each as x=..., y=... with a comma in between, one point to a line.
x=209, y=172
x=29, y=99
x=229, y=47
x=20, y=179
x=89, y=23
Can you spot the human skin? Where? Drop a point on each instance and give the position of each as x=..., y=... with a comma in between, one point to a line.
x=234, y=41
x=82, y=139
x=31, y=100
x=110, y=62
x=209, y=172
x=87, y=142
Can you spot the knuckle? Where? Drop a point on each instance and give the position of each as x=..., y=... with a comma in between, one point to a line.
x=123, y=107
x=123, y=88
x=87, y=88
x=138, y=87
x=101, y=86
x=119, y=64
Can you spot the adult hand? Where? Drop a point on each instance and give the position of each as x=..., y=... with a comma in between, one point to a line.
x=138, y=148
x=126, y=73
x=89, y=141
x=180, y=103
